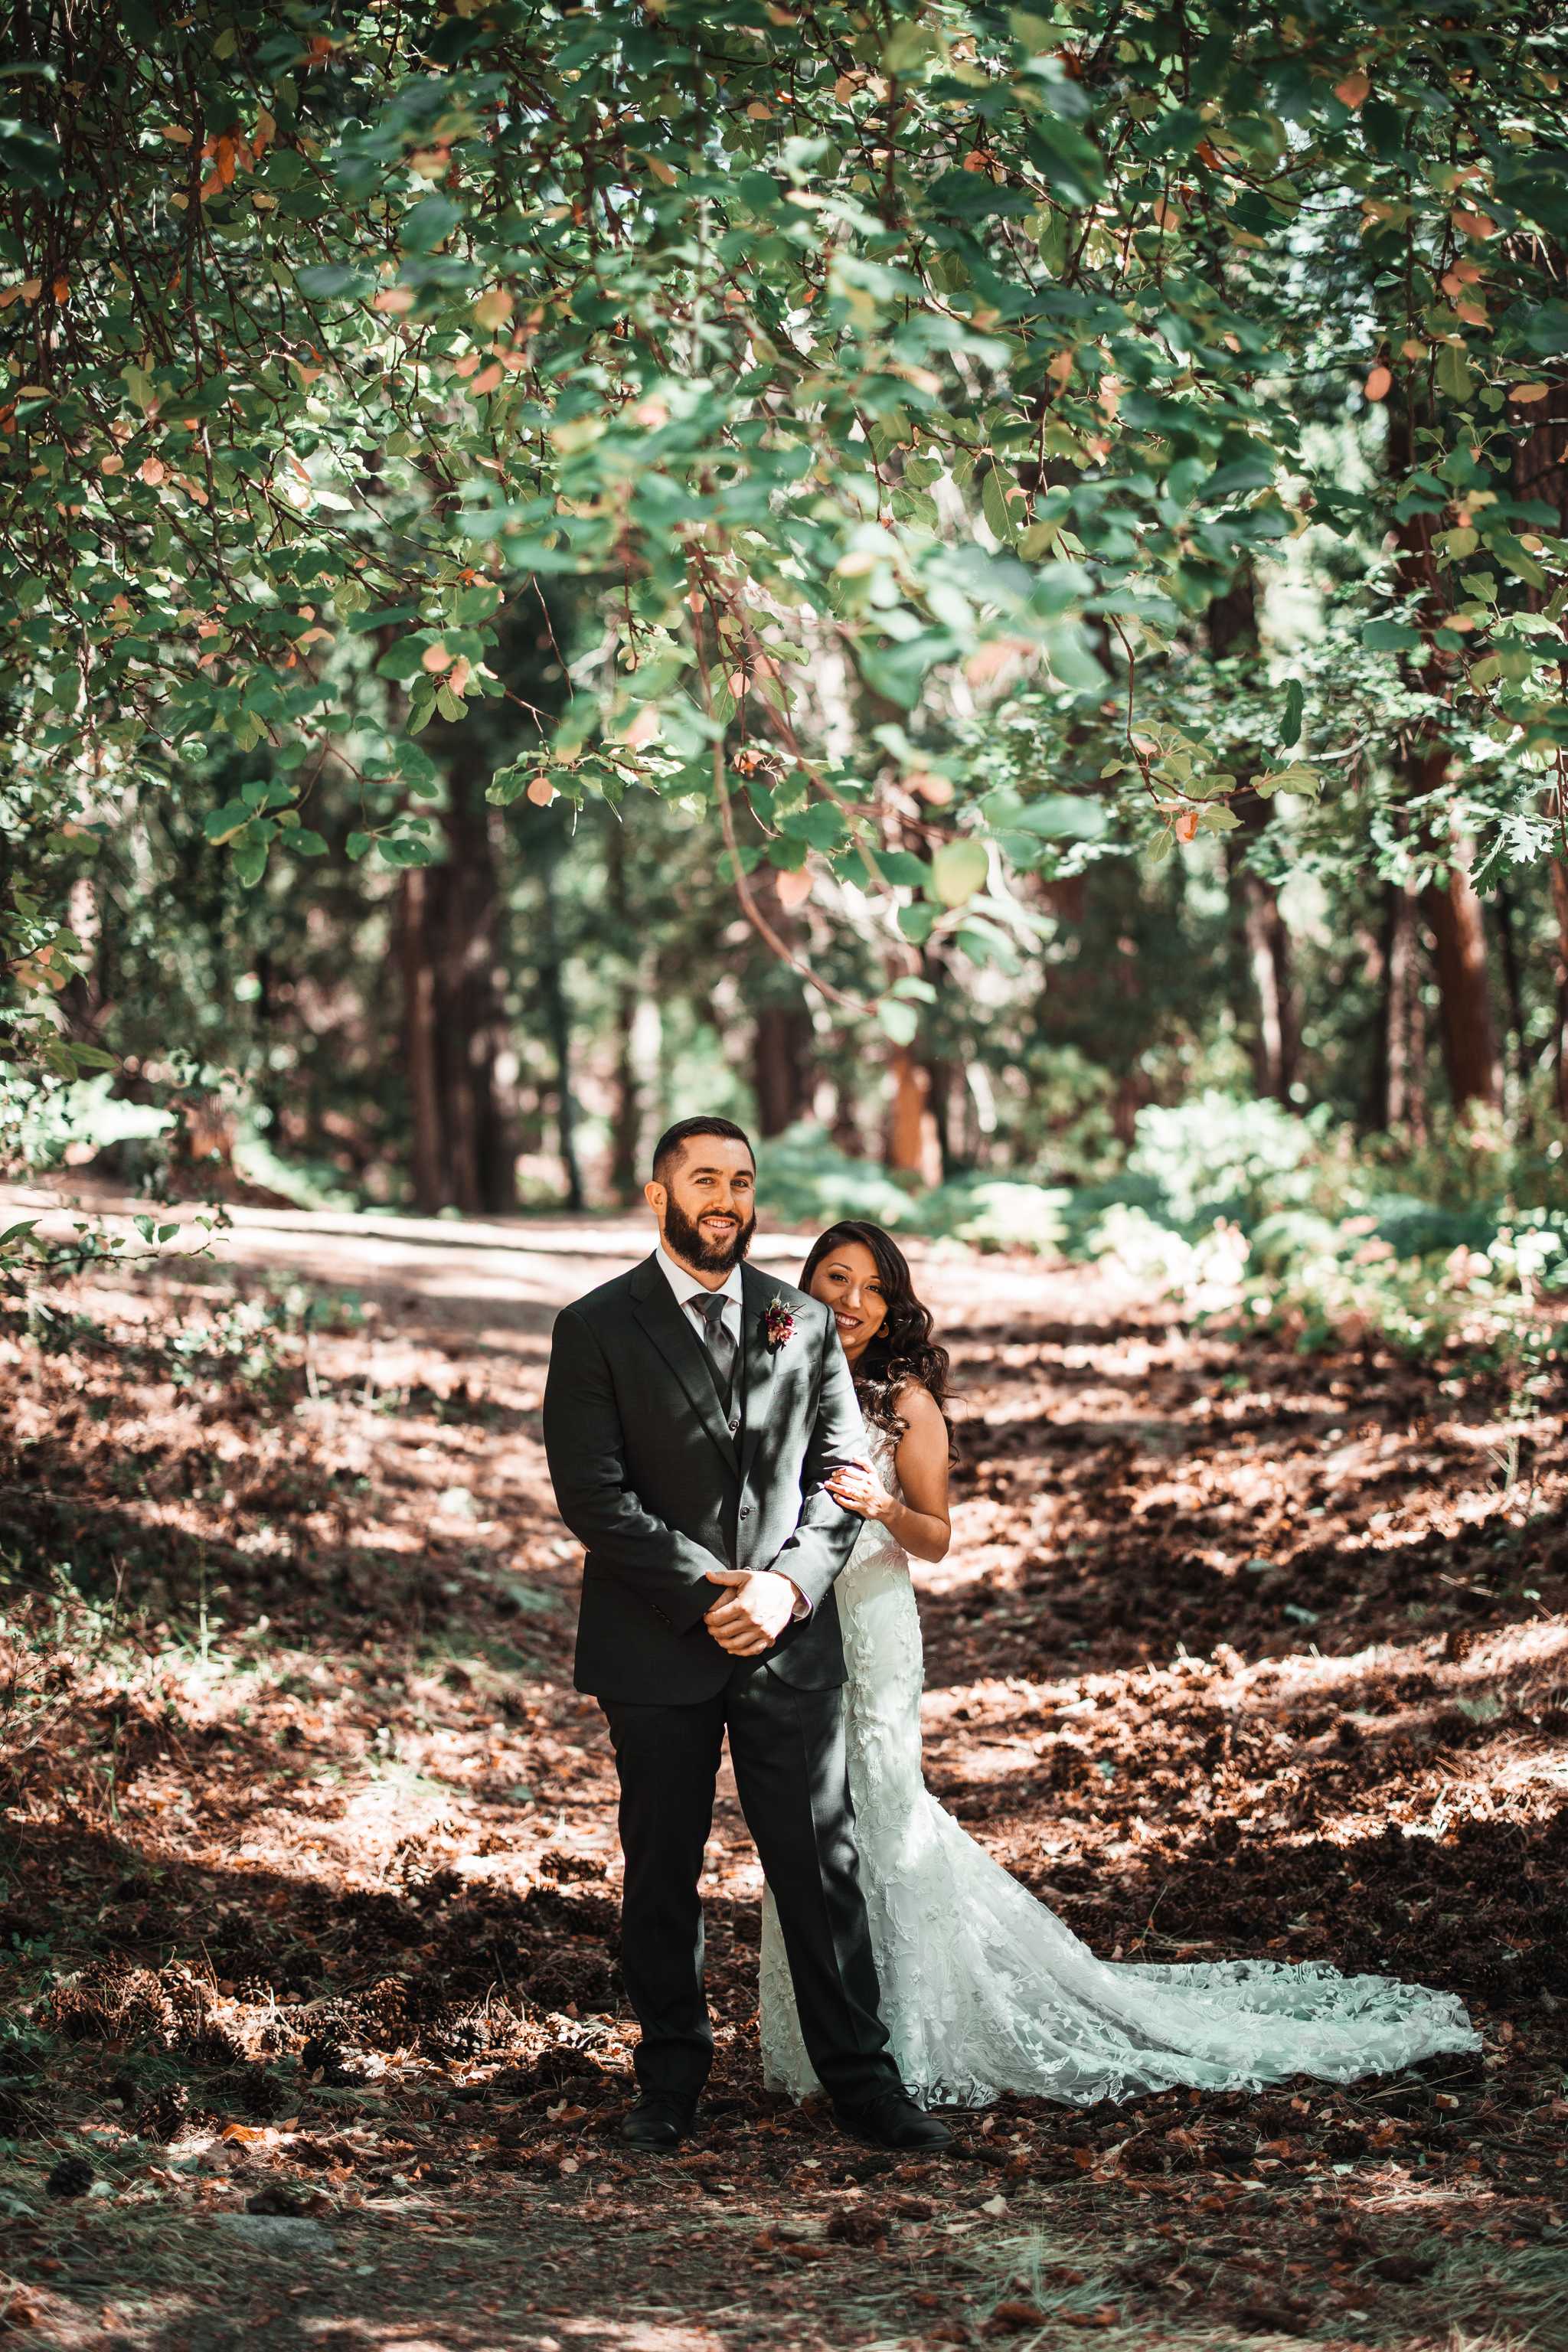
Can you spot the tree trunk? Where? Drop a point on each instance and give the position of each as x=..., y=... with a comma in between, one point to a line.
x=914, y=1148
x=781, y=1050
x=1541, y=471
x=1275, y=1022
x=453, y=1018
x=784, y=1037
x=1275, y=1032
x=1399, y=1104
x=1513, y=996
x=1466, y=1025
x=947, y=1111
x=625, y=1117
x=419, y=1041
x=1560, y=901
x=558, y=1023
x=942, y=1074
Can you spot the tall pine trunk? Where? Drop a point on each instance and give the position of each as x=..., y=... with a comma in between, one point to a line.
x=1560, y=903
x=1466, y=1026
x=1467, y=1029
x=419, y=1041
x=1541, y=471
x=780, y=1065
x=454, y=1014
x=626, y=1117
x=783, y=1036
x=1399, y=1096
x=914, y=1145
x=558, y=1024
x=1273, y=1016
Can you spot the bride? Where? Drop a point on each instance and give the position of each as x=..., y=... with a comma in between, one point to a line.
x=983, y=1988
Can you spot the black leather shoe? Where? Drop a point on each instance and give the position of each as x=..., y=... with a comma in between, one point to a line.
x=892, y=2120
x=658, y=2120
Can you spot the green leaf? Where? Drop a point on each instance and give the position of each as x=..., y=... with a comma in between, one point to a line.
x=1453, y=372
x=221, y=824
x=910, y=47
x=1254, y=472
x=328, y=280
x=821, y=825
x=1062, y=816
x=405, y=659
x=958, y=869
x=899, y=1021
x=995, y=506
x=251, y=861
x=1518, y=560
x=429, y=224
x=903, y=869
x=1290, y=724
x=1390, y=636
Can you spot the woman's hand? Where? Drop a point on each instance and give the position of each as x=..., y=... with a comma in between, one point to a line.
x=858, y=1488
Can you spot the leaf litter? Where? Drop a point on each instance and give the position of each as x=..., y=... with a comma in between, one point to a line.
x=308, y=1880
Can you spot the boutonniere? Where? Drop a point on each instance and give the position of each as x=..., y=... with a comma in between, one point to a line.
x=778, y=1324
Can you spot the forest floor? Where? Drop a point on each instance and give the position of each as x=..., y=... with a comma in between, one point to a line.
x=309, y=2029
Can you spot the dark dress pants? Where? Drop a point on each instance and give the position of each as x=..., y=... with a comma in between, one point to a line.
x=787, y=1749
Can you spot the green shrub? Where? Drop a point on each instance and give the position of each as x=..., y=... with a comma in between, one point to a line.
x=88, y=1115
x=1218, y=1155
x=804, y=1181
x=992, y=1212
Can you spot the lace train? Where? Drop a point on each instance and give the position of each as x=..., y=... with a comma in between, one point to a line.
x=985, y=1990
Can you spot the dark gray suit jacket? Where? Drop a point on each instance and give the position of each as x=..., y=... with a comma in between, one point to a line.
x=650, y=1481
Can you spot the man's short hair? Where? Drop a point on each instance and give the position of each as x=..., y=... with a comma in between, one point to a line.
x=672, y=1143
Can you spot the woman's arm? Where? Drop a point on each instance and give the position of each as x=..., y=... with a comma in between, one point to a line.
x=920, y=1523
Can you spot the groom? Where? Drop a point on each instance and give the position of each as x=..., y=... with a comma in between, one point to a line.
x=692, y=1413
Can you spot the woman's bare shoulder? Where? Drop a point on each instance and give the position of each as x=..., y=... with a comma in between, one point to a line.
x=918, y=1410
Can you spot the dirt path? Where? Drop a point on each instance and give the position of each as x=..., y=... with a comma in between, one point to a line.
x=307, y=1861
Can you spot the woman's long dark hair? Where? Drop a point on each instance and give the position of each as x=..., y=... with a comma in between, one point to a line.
x=903, y=1349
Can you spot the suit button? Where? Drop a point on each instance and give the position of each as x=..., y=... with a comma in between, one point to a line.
x=745, y=1511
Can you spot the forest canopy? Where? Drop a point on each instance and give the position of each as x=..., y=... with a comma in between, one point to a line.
x=914, y=469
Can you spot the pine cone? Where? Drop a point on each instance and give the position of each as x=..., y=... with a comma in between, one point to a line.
x=214, y=2045
x=72, y=2177
x=262, y=2095
x=164, y=2117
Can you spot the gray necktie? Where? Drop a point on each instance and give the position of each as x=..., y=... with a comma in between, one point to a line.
x=721, y=1345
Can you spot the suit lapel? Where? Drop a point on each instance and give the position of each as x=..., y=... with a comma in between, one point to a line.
x=756, y=1364
x=674, y=1334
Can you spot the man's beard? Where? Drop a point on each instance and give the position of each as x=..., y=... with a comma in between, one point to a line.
x=684, y=1240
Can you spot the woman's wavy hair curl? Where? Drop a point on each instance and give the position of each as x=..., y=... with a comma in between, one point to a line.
x=903, y=1349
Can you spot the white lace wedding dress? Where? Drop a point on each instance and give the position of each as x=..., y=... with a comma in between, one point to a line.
x=983, y=1988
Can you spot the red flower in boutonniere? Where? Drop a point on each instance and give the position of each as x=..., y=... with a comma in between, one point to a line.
x=778, y=1324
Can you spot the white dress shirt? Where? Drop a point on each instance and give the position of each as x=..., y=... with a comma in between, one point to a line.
x=690, y=1292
